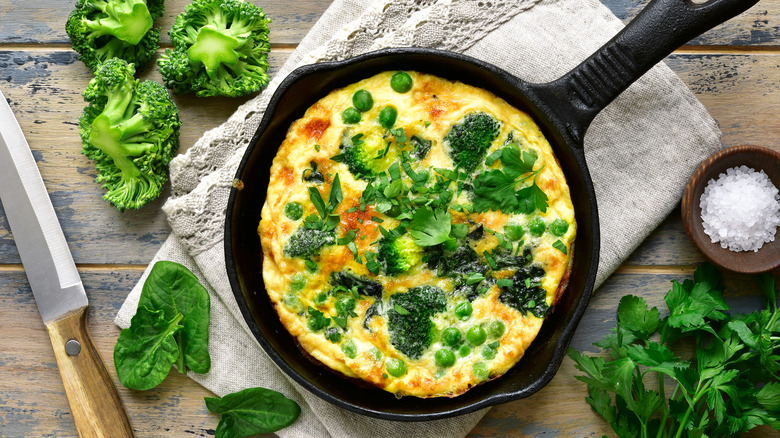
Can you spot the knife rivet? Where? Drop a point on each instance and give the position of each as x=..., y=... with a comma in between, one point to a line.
x=72, y=347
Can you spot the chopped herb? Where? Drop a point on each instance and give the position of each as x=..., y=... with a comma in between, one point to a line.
x=353, y=248
x=505, y=282
x=349, y=237
x=560, y=246
x=400, y=310
x=474, y=278
x=490, y=260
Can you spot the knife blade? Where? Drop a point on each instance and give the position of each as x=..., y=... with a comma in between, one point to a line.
x=62, y=302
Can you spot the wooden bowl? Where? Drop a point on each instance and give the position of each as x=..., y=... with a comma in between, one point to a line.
x=746, y=262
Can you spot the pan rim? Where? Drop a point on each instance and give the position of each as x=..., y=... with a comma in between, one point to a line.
x=566, y=331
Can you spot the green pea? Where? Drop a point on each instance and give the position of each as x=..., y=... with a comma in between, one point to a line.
x=439, y=374
x=297, y=282
x=497, y=329
x=387, y=116
x=463, y=311
x=464, y=350
x=559, y=227
x=293, y=211
x=293, y=303
x=375, y=353
x=451, y=336
x=349, y=348
x=350, y=116
x=489, y=352
x=514, y=232
x=444, y=358
x=480, y=370
x=537, y=227
x=362, y=100
x=476, y=335
x=395, y=367
x=401, y=82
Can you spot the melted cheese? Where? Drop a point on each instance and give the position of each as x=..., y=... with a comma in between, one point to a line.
x=363, y=347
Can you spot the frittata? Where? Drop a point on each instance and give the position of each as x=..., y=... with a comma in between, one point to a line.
x=415, y=233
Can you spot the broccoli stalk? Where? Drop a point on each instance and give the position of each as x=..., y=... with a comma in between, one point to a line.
x=398, y=255
x=470, y=139
x=103, y=29
x=131, y=130
x=221, y=48
x=409, y=319
x=307, y=242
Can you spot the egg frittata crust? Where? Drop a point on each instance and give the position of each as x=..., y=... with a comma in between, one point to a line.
x=415, y=233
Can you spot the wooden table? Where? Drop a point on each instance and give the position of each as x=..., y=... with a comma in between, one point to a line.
x=734, y=70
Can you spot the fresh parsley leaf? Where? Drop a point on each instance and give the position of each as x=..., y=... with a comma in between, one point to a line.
x=635, y=317
x=494, y=190
x=515, y=164
x=536, y=196
x=726, y=384
x=431, y=227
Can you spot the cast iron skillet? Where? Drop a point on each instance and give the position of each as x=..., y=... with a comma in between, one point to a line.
x=563, y=108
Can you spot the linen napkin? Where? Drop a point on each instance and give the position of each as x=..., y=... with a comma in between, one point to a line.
x=640, y=150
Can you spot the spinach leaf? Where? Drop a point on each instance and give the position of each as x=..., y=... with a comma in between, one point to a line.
x=173, y=289
x=145, y=352
x=252, y=411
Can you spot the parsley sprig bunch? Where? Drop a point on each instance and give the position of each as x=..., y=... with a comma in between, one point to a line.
x=728, y=385
x=494, y=189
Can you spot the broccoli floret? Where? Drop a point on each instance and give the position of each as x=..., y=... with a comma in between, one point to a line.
x=409, y=318
x=364, y=286
x=131, y=130
x=221, y=49
x=470, y=138
x=366, y=157
x=103, y=29
x=526, y=293
x=306, y=242
x=398, y=255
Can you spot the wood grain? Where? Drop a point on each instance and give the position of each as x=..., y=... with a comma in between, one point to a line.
x=758, y=26
x=94, y=402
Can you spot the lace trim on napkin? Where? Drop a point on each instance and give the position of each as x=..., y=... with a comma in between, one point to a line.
x=201, y=178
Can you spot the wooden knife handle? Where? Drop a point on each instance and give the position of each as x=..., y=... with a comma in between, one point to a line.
x=94, y=401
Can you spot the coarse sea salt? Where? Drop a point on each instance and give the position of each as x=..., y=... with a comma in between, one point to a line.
x=741, y=209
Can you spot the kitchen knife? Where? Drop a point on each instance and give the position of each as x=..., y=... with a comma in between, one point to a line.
x=94, y=401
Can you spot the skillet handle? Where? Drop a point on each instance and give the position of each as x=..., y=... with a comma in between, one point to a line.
x=664, y=25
